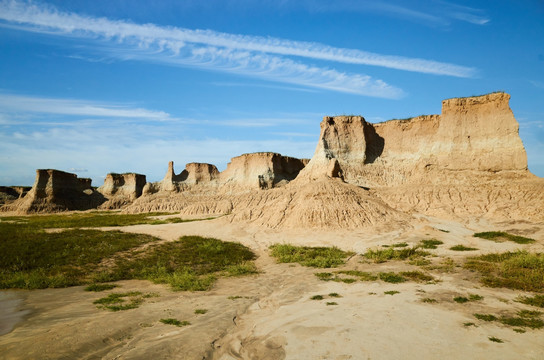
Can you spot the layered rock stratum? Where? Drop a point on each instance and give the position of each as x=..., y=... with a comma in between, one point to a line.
x=467, y=162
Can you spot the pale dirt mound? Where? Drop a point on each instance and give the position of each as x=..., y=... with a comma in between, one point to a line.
x=327, y=203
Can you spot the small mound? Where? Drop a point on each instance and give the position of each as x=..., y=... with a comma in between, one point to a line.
x=327, y=203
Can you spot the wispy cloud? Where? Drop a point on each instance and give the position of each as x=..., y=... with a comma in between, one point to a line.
x=428, y=12
x=262, y=57
x=28, y=104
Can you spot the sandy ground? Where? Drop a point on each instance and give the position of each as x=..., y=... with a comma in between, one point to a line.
x=272, y=315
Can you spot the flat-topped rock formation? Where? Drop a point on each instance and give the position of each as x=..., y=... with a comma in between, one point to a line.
x=55, y=190
x=473, y=137
x=261, y=170
x=128, y=185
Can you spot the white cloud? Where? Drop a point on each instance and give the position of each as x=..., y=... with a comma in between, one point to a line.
x=29, y=104
x=202, y=43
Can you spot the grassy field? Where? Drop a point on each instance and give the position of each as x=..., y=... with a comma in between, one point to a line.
x=32, y=258
x=90, y=219
x=320, y=257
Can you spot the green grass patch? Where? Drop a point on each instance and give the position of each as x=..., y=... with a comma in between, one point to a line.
x=201, y=311
x=31, y=258
x=391, y=292
x=191, y=263
x=536, y=300
x=383, y=255
x=325, y=276
x=518, y=270
x=495, y=339
x=335, y=295
x=462, y=248
x=485, y=317
x=391, y=277
x=319, y=257
x=100, y=287
x=429, y=300
x=242, y=269
x=399, y=245
x=174, y=322
x=430, y=243
x=520, y=331
x=361, y=275
x=118, y=301
x=331, y=303
x=87, y=219
x=475, y=297
x=317, y=297
x=461, y=299
x=235, y=297
x=467, y=324
x=500, y=236
x=519, y=321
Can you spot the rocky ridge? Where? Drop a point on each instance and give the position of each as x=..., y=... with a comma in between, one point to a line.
x=466, y=162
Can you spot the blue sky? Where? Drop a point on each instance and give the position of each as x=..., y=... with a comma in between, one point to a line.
x=93, y=87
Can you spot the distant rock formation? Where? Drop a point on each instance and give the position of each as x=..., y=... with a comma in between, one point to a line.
x=128, y=185
x=9, y=194
x=261, y=170
x=55, y=190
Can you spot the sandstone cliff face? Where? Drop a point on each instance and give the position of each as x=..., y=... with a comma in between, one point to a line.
x=55, y=190
x=262, y=170
x=472, y=137
x=128, y=185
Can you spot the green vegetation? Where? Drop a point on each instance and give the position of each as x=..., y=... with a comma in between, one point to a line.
x=429, y=300
x=518, y=330
x=391, y=277
x=332, y=303
x=86, y=219
x=500, y=236
x=460, y=299
x=536, y=300
x=485, y=317
x=495, y=339
x=467, y=324
x=462, y=248
x=430, y=243
x=471, y=297
x=317, y=297
x=235, y=297
x=391, y=292
x=475, y=297
x=335, y=295
x=201, y=311
x=190, y=263
x=320, y=257
x=518, y=270
x=117, y=302
x=401, y=244
x=31, y=258
x=362, y=275
x=380, y=256
x=524, y=318
x=242, y=269
x=100, y=287
x=175, y=322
